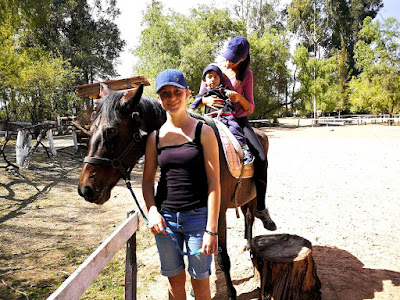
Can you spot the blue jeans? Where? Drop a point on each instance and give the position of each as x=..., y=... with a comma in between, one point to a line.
x=188, y=227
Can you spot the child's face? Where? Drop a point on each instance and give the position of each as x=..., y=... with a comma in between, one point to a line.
x=212, y=79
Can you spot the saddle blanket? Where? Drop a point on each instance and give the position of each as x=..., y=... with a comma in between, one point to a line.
x=233, y=153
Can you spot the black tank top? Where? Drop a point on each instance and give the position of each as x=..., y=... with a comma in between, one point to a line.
x=183, y=181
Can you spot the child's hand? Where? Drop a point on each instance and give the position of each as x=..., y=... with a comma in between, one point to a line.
x=213, y=101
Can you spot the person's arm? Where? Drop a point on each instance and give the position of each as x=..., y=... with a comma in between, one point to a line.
x=197, y=102
x=236, y=97
x=210, y=101
x=246, y=100
x=211, y=161
x=156, y=221
x=248, y=93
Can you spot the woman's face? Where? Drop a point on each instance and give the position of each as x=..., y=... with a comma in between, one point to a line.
x=173, y=98
x=231, y=65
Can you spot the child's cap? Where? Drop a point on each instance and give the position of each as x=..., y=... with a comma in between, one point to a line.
x=170, y=77
x=238, y=48
x=212, y=67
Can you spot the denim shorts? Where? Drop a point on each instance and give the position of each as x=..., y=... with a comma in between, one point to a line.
x=188, y=227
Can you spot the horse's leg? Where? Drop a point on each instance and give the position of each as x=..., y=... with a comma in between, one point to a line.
x=223, y=257
x=248, y=212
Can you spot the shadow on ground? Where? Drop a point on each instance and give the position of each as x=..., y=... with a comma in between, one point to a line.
x=342, y=275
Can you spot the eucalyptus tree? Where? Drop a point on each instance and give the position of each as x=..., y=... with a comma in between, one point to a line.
x=305, y=19
x=322, y=24
x=269, y=56
x=344, y=20
x=83, y=32
x=318, y=80
x=259, y=15
x=377, y=53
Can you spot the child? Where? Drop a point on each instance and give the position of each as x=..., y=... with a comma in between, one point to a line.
x=212, y=76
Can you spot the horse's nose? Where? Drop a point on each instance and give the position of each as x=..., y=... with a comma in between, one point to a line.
x=86, y=192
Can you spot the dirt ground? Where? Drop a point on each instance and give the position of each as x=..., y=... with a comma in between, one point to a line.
x=336, y=186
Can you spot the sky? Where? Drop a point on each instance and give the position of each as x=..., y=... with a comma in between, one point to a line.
x=129, y=22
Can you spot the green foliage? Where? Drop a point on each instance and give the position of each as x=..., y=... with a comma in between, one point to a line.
x=269, y=55
x=377, y=88
x=34, y=85
x=85, y=34
x=305, y=19
x=343, y=78
x=188, y=43
x=259, y=15
x=48, y=47
x=318, y=80
x=328, y=23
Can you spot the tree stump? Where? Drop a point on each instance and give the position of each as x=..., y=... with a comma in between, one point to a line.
x=286, y=267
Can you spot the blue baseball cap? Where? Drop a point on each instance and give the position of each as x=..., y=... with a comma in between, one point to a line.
x=212, y=67
x=238, y=48
x=170, y=77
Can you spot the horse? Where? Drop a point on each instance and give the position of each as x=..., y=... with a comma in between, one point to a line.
x=119, y=131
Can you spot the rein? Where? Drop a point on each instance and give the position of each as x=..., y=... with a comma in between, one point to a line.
x=167, y=229
x=116, y=163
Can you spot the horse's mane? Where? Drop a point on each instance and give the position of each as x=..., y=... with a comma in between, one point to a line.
x=109, y=107
x=148, y=108
x=152, y=112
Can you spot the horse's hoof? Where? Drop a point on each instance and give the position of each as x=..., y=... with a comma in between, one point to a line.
x=264, y=216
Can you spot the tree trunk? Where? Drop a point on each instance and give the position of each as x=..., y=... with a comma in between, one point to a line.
x=286, y=267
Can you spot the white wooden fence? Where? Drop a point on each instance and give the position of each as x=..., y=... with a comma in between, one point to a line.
x=355, y=120
x=76, y=284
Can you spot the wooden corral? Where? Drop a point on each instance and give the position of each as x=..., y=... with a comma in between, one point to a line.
x=92, y=90
x=89, y=270
x=80, y=132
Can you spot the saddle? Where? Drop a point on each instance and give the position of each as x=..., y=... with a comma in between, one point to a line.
x=233, y=153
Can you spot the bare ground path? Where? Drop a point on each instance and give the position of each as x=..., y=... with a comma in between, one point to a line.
x=338, y=187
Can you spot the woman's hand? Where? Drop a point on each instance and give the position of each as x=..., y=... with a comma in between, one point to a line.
x=213, y=102
x=237, y=98
x=156, y=221
x=233, y=96
x=210, y=244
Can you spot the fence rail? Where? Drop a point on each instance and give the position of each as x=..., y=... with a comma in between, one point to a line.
x=355, y=120
x=76, y=284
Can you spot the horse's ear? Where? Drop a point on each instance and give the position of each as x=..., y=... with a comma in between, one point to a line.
x=104, y=90
x=131, y=98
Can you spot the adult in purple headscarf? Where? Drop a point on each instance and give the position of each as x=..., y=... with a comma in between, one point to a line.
x=239, y=77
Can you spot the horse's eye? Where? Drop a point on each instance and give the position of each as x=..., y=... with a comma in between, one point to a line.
x=110, y=131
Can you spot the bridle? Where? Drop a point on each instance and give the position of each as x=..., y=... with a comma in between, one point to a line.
x=116, y=163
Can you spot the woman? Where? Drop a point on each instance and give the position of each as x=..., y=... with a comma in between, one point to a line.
x=187, y=200
x=240, y=78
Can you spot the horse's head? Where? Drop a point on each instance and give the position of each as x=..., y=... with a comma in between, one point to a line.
x=117, y=142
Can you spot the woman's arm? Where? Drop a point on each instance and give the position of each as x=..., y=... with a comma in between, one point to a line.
x=211, y=161
x=156, y=221
x=244, y=94
x=237, y=98
x=248, y=92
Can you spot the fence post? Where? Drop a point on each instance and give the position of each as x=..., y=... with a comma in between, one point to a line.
x=131, y=267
